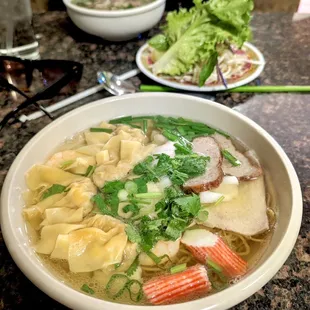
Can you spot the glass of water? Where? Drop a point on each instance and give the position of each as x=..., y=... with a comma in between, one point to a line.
x=17, y=37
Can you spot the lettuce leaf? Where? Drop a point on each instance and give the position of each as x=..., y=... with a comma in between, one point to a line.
x=194, y=35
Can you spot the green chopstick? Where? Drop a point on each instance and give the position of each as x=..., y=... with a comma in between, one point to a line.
x=241, y=89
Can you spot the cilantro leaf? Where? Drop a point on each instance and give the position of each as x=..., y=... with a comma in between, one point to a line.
x=53, y=190
x=133, y=234
x=142, y=186
x=101, y=205
x=113, y=187
x=190, y=204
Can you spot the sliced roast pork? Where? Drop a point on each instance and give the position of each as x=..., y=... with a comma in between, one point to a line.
x=213, y=176
x=249, y=168
x=246, y=214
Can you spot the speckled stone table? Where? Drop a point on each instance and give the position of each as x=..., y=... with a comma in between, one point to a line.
x=286, y=47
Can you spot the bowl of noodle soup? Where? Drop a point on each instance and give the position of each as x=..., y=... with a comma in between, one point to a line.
x=116, y=23
x=257, y=250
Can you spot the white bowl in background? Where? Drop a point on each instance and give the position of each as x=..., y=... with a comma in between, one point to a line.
x=271, y=155
x=118, y=25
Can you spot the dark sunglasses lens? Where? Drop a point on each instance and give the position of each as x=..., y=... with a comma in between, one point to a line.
x=14, y=72
x=51, y=75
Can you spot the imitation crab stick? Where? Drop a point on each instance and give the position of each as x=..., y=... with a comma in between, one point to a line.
x=168, y=288
x=205, y=245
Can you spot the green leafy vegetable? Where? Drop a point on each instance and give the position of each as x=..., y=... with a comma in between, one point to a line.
x=179, y=169
x=85, y=288
x=108, y=130
x=207, y=69
x=133, y=234
x=53, y=190
x=159, y=42
x=102, y=206
x=142, y=185
x=194, y=36
x=232, y=159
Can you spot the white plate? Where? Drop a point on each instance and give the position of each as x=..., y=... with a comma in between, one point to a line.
x=177, y=85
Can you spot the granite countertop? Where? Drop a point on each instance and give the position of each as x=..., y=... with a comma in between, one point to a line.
x=285, y=46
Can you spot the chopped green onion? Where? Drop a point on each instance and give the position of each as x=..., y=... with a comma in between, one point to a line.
x=232, y=159
x=133, y=267
x=219, y=201
x=223, y=133
x=90, y=170
x=178, y=268
x=110, y=283
x=116, y=266
x=85, y=288
x=138, y=294
x=66, y=164
x=121, y=120
x=144, y=125
x=95, y=129
x=132, y=125
x=131, y=187
x=203, y=215
x=214, y=265
x=153, y=257
x=122, y=195
x=169, y=135
x=149, y=195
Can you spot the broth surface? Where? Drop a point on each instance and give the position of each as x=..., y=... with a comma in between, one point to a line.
x=77, y=154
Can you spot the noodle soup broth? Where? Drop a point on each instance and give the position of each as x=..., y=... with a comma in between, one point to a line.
x=126, y=210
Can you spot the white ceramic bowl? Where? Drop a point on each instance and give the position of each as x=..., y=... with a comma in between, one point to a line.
x=118, y=25
x=41, y=145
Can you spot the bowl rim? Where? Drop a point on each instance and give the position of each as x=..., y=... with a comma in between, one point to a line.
x=77, y=300
x=116, y=13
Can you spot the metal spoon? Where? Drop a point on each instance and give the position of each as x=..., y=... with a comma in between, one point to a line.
x=115, y=84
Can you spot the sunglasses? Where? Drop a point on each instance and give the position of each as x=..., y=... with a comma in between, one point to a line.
x=37, y=80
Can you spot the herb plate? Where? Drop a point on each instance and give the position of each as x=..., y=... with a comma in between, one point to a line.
x=251, y=75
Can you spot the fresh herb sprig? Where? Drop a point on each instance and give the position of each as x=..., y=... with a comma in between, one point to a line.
x=174, y=213
x=53, y=190
x=179, y=169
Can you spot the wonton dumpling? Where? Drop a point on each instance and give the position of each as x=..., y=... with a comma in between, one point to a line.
x=135, y=133
x=49, y=236
x=90, y=150
x=91, y=249
x=106, y=173
x=73, y=161
x=61, y=249
x=41, y=175
x=49, y=202
x=105, y=223
x=62, y=215
x=107, y=125
x=33, y=216
x=129, y=255
x=97, y=137
x=79, y=196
